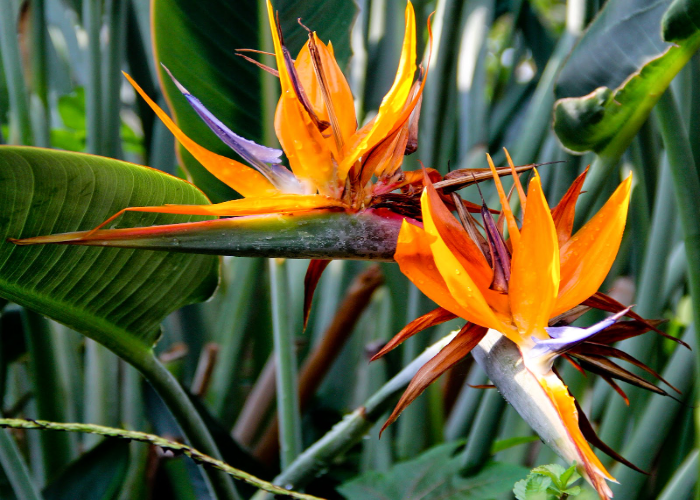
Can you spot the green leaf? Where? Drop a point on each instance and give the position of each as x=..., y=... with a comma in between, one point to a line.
x=71, y=107
x=569, y=476
x=681, y=20
x=117, y=297
x=504, y=444
x=614, y=76
x=547, y=481
x=97, y=474
x=197, y=42
x=534, y=487
x=433, y=474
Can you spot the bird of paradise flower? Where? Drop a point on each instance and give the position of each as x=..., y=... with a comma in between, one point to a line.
x=332, y=161
x=335, y=166
x=518, y=296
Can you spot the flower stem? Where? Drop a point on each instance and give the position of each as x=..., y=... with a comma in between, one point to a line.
x=350, y=430
x=687, y=187
x=20, y=120
x=288, y=412
x=483, y=433
x=16, y=469
x=92, y=22
x=187, y=417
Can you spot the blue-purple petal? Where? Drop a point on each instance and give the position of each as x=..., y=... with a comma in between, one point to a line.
x=250, y=151
x=565, y=337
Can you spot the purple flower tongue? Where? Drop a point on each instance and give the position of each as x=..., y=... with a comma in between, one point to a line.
x=565, y=337
x=265, y=159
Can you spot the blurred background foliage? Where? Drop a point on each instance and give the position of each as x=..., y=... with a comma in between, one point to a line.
x=501, y=71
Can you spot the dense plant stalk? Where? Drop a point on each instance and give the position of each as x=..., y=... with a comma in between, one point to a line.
x=15, y=468
x=20, y=120
x=49, y=390
x=687, y=187
x=649, y=304
x=185, y=413
x=352, y=427
x=286, y=375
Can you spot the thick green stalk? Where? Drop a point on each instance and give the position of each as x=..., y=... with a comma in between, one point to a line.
x=466, y=406
x=483, y=433
x=133, y=417
x=539, y=116
x=16, y=469
x=178, y=402
x=39, y=67
x=376, y=453
x=50, y=390
x=657, y=421
x=350, y=430
x=288, y=411
x=471, y=76
x=20, y=119
x=440, y=82
x=649, y=305
x=101, y=400
x=684, y=481
x=676, y=270
x=687, y=188
x=92, y=23
x=234, y=311
x=117, y=18
x=413, y=424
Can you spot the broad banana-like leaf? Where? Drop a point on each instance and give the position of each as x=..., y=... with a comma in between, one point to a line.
x=116, y=296
x=620, y=68
x=197, y=41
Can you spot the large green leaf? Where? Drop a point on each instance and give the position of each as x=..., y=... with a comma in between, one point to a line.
x=620, y=68
x=434, y=474
x=197, y=42
x=118, y=297
x=97, y=474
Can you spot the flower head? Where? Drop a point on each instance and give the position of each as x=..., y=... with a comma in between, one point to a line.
x=332, y=161
x=516, y=294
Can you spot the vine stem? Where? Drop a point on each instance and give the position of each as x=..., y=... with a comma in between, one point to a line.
x=111, y=432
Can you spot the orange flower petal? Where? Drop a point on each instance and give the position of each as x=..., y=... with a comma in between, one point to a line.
x=513, y=232
x=457, y=278
x=435, y=317
x=392, y=111
x=587, y=257
x=245, y=180
x=463, y=248
x=415, y=259
x=563, y=214
x=534, y=279
x=468, y=337
x=285, y=203
x=338, y=88
x=590, y=466
x=308, y=152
